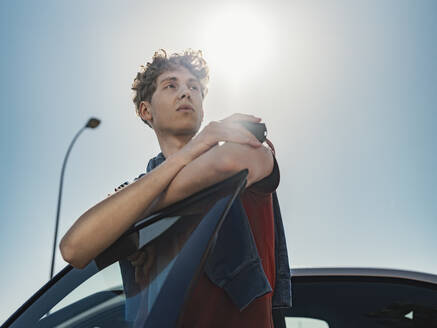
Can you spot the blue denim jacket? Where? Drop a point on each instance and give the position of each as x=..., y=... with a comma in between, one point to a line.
x=234, y=263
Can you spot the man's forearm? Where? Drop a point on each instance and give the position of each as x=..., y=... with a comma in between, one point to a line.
x=105, y=222
x=216, y=165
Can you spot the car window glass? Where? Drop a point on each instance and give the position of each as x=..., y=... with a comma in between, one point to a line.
x=96, y=297
x=305, y=323
x=123, y=294
x=107, y=279
x=145, y=271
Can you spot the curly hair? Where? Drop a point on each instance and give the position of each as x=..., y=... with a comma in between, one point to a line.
x=144, y=84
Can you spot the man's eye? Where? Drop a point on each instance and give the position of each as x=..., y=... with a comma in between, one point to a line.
x=194, y=88
x=170, y=86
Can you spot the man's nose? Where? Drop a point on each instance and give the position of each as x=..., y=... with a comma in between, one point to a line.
x=184, y=92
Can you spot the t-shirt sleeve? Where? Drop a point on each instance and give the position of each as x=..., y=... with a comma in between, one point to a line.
x=268, y=184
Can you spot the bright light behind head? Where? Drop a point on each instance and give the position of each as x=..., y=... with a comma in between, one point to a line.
x=239, y=40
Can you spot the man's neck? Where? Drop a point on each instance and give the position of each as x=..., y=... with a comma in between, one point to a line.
x=170, y=144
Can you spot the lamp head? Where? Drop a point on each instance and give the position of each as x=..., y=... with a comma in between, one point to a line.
x=92, y=123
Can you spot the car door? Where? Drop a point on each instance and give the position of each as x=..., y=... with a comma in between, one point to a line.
x=361, y=298
x=144, y=278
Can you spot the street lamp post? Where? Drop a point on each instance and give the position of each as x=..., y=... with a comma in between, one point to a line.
x=92, y=123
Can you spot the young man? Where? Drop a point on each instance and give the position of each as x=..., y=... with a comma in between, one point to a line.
x=169, y=95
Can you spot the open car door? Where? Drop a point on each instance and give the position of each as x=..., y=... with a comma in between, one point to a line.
x=145, y=277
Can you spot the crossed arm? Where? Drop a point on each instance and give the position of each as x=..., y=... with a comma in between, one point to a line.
x=179, y=176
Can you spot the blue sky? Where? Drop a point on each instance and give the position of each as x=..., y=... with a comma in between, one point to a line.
x=347, y=90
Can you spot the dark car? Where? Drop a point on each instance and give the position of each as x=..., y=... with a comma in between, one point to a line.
x=144, y=280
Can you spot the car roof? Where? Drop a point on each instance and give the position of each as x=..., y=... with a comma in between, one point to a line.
x=364, y=272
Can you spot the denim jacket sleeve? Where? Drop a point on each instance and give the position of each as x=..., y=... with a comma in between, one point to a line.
x=234, y=263
x=282, y=294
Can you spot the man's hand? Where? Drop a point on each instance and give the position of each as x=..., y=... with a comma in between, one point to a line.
x=227, y=129
x=143, y=260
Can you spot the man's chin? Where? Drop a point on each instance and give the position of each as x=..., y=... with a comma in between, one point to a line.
x=182, y=128
x=185, y=130
x=185, y=133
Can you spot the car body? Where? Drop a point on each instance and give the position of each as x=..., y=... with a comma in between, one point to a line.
x=103, y=295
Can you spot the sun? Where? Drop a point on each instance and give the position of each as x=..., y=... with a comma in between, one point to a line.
x=239, y=40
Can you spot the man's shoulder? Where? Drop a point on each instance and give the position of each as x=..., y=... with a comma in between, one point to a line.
x=153, y=162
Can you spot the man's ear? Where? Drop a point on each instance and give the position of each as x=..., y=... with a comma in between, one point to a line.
x=145, y=111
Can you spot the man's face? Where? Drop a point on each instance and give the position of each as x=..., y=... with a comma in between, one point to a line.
x=176, y=106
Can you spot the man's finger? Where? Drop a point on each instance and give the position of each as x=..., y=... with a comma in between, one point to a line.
x=235, y=132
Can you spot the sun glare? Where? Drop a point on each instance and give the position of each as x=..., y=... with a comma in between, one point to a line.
x=238, y=40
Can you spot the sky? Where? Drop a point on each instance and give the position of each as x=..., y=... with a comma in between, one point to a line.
x=346, y=89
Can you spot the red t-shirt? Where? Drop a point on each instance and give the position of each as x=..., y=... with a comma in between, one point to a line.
x=209, y=305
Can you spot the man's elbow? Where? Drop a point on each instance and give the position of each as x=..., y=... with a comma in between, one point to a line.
x=234, y=157
x=70, y=254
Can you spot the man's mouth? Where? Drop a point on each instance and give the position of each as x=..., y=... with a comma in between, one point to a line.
x=185, y=108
